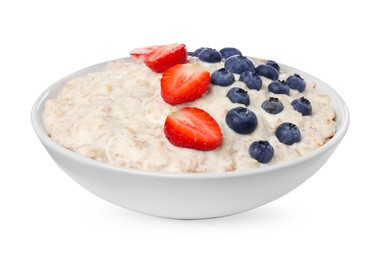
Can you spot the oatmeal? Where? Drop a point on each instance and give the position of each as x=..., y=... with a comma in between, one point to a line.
x=118, y=115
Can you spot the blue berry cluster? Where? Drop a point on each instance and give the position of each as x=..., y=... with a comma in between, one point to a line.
x=242, y=120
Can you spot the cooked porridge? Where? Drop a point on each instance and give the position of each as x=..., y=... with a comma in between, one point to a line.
x=118, y=116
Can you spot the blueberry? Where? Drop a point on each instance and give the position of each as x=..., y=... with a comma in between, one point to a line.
x=190, y=53
x=222, y=77
x=273, y=64
x=238, y=95
x=241, y=120
x=288, y=133
x=272, y=106
x=262, y=151
x=302, y=105
x=267, y=71
x=229, y=51
x=238, y=64
x=210, y=55
x=279, y=87
x=197, y=51
x=296, y=82
x=251, y=79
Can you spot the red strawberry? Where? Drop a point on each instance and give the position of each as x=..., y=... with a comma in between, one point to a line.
x=192, y=127
x=163, y=57
x=184, y=83
x=142, y=52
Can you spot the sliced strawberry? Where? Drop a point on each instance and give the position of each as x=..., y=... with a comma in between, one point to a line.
x=184, y=83
x=163, y=57
x=140, y=53
x=192, y=127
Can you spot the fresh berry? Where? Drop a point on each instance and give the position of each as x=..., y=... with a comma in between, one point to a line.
x=288, y=133
x=262, y=151
x=229, y=51
x=190, y=53
x=273, y=64
x=238, y=64
x=251, y=79
x=191, y=127
x=302, y=105
x=163, y=57
x=238, y=95
x=267, y=71
x=296, y=82
x=272, y=106
x=222, y=77
x=197, y=51
x=279, y=87
x=140, y=53
x=241, y=120
x=184, y=83
x=210, y=55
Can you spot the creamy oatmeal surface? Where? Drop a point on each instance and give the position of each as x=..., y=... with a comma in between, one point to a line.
x=117, y=116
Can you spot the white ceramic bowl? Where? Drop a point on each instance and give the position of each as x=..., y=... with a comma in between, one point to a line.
x=185, y=195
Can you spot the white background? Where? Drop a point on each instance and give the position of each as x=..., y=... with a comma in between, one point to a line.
x=46, y=215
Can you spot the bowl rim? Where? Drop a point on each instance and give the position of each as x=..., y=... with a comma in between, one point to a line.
x=47, y=141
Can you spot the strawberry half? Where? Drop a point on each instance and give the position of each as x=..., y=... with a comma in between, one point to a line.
x=192, y=127
x=165, y=56
x=184, y=83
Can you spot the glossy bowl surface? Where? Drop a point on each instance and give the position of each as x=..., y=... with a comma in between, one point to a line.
x=186, y=195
